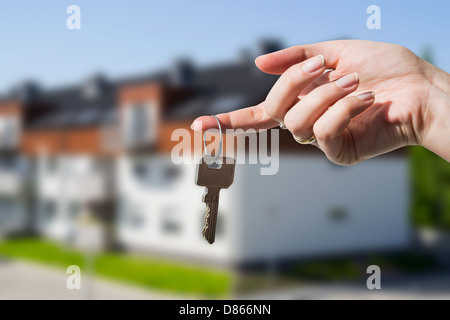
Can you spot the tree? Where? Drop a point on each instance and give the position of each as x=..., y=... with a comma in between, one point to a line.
x=430, y=177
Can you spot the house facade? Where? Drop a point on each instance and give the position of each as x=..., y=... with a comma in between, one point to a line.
x=105, y=147
x=14, y=169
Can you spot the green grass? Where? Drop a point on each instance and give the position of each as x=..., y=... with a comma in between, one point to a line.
x=145, y=271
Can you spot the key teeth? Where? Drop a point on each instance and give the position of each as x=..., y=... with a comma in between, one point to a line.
x=206, y=221
x=206, y=226
x=207, y=215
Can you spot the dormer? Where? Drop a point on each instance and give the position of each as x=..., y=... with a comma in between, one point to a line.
x=182, y=73
x=26, y=92
x=10, y=125
x=94, y=87
x=139, y=114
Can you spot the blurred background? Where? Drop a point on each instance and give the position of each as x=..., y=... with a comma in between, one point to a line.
x=86, y=177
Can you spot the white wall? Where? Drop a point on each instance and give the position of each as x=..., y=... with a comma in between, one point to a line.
x=265, y=217
x=153, y=200
x=288, y=214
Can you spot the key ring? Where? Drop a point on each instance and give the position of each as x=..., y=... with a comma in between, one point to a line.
x=219, y=152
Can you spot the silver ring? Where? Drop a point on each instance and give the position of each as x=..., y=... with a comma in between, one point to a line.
x=282, y=126
x=219, y=152
x=305, y=141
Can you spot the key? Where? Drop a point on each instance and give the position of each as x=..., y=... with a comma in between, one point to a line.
x=218, y=175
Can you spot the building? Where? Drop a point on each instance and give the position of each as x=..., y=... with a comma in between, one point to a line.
x=14, y=170
x=104, y=146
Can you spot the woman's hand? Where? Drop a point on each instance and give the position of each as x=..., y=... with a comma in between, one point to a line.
x=377, y=97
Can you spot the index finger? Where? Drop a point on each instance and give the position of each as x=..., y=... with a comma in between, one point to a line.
x=279, y=61
x=253, y=117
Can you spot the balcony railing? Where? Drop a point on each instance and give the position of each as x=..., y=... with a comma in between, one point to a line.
x=92, y=187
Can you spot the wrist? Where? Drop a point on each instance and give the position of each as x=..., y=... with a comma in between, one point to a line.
x=436, y=114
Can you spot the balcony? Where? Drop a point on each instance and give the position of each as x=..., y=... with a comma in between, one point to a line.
x=94, y=187
x=11, y=183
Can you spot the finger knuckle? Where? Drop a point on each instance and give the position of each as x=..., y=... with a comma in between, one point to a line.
x=346, y=105
x=290, y=123
x=322, y=131
x=297, y=127
x=320, y=98
x=288, y=81
x=270, y=109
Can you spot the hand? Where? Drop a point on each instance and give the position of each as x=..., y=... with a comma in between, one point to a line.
x=377, y=97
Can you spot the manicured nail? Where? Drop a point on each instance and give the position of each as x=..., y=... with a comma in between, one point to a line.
x=347, y=81
x=196, y=125
x=367, y=96
x=314, y=64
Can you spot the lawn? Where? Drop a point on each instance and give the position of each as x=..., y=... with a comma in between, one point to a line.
x=142, y=270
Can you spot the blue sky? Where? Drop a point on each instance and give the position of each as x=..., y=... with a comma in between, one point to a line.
x=131, y=37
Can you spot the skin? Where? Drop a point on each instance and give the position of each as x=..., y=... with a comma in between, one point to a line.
x=411, y=104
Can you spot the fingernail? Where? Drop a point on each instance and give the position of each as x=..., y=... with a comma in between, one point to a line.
x=314, y=64
x=347, y=81
x=196, y=125
x=367, y=96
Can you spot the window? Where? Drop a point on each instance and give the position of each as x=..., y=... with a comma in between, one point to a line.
x=135, y=220
x=140, y=124
x=4, y=215
x=110, y=132
x=8, y=163
x=51, y=164
x=143, y=173
x=171, y=172
x=132, y=215
x=98, y=164
x=171, y=226
x=154, y=174
x=171, y=222
x=48, y=210
x=6, y=206
x=74, y=210
x=9, y=131
x=87, y=116
x=6, y=210
x=140, y=169
x=139, y=116
x=338, y=214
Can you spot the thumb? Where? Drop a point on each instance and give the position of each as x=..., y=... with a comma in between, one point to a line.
x=279, y=61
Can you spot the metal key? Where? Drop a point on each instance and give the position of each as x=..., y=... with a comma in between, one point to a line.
x=218, y=175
